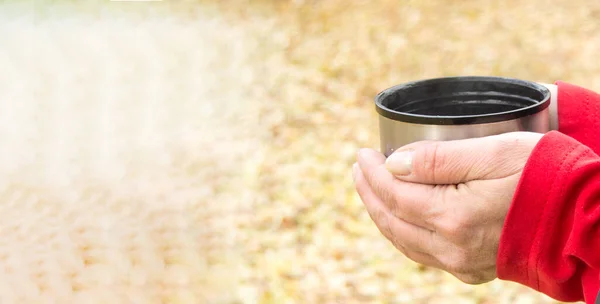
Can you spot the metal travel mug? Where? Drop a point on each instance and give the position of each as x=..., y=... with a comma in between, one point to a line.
x=458, y=108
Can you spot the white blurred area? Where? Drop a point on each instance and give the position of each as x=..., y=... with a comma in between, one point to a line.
x=100, y=92
x=119, y=132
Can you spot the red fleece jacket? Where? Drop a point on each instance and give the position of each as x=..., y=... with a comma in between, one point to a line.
x=551, y=236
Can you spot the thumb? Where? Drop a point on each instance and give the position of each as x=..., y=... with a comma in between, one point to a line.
x=461, y=161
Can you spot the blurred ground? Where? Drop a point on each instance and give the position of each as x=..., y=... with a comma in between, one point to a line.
x=243, y=118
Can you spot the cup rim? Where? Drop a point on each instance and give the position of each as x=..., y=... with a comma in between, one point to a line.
x=463, y=119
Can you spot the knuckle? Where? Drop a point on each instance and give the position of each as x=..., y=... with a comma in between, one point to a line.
x=373, y=216
x=449, y=228
x=389, y=233
x=458, y=263
x=384, y=192
x=432, y=160
x=457, y=227
x=360, y=186
x=408, y=254
x=383, y=222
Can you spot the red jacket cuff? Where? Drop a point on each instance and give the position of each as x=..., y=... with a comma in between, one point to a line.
x=524, y=229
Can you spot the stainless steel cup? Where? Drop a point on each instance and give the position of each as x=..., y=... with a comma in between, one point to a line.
x=458, y=108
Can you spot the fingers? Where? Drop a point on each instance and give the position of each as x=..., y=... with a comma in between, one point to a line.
x=413, y=240
x=422, y=245
x=442, y=226
x=414, y=203
x=461, y=161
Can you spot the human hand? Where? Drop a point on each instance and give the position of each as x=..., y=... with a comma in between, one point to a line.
x=443, y=204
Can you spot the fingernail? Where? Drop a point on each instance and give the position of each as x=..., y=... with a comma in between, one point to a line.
x=354, y=171
x=400, y=163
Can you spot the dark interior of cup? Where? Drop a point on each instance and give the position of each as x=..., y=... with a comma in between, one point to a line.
x=463, y=97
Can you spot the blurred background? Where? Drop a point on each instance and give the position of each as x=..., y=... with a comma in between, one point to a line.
x=200, y=151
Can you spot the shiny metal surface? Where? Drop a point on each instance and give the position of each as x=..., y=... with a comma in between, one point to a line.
x=395, y=134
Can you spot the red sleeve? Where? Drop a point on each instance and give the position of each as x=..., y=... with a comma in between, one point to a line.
x=551, y=236
x=579, y=114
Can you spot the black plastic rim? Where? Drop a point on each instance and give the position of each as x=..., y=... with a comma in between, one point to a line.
x=538, y=97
